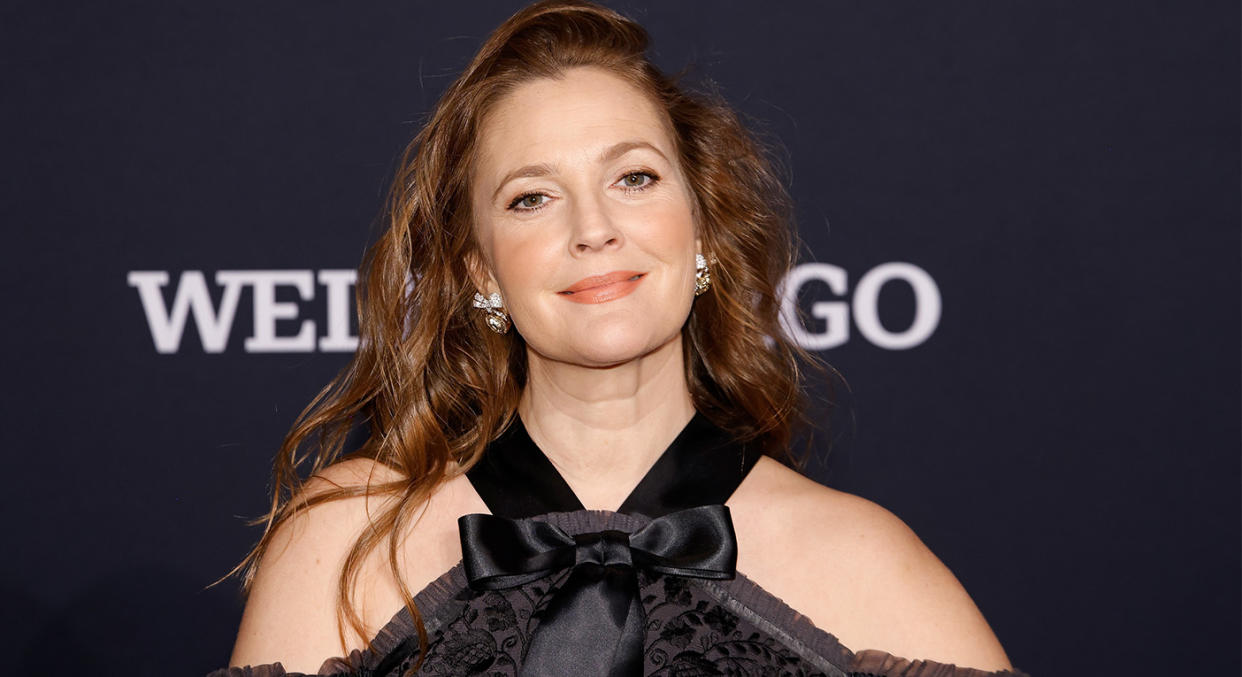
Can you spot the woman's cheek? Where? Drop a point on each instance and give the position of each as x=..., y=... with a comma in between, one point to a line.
x=523, y=265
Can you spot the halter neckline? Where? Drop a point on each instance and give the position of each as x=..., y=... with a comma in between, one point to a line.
x=702, y=466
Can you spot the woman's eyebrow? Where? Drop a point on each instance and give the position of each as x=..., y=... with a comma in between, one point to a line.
x=621, y=148
x=543, y=169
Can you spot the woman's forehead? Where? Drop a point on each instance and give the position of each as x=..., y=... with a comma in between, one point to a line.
x=575, y=118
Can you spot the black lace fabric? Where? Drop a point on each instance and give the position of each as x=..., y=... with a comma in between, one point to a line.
x=694, y=628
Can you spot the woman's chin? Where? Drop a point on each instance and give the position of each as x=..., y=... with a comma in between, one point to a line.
x=610, y=352
x=604, y=351
x=608, y=341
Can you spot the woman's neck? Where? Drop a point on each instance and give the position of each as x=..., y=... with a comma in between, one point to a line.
x=604, y=428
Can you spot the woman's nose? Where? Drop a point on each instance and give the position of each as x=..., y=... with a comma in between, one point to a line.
x=594, y=226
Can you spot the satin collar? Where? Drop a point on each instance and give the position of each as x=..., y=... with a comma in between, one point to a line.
x=703, y=466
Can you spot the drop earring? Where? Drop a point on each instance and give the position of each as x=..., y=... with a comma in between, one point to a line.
x=493, y=307
x=702, y=276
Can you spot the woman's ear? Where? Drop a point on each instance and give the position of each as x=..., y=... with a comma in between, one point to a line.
x=480, y=273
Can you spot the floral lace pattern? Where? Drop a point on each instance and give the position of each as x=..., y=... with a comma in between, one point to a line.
x=688, y=634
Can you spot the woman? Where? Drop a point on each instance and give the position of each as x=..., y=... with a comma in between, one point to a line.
x=576, y=385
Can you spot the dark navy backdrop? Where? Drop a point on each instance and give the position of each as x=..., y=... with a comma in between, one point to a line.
x=1064, y=432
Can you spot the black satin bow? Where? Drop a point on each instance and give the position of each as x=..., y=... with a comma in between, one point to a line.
x=595, y=623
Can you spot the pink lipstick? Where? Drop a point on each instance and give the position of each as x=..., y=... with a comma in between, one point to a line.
x=603, y=288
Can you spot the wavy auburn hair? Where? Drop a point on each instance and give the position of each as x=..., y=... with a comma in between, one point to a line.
x=435, y=385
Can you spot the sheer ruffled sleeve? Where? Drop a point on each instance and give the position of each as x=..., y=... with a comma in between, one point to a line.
x=874, y=663
x=357, y=663
x=272, y=670
x=334, y=667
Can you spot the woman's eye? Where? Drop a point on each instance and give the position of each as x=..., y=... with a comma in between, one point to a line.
x=529, y=202
x=637, y=180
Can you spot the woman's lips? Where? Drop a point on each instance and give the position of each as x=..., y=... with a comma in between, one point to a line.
x=603, y=288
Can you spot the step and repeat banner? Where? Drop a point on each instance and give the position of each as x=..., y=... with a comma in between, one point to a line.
x=1020, y=226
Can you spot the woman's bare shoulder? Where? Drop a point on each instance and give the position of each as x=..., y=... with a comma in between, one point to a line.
x=856, y=570
x=291, y=611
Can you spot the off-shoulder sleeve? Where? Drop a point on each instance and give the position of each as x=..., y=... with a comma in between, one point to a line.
x=874, y=663
x=272, y=670
x=334, y=667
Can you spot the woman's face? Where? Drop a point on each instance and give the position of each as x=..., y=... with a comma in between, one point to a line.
x=585, y=219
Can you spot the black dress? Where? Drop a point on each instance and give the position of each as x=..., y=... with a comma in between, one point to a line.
x=547, y=587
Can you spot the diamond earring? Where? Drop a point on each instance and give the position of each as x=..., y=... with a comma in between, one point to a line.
x=493, y=308
x=702, y=276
